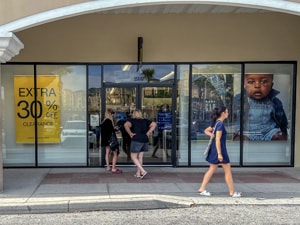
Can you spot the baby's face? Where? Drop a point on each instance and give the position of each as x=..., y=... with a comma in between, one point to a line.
x=258, y=86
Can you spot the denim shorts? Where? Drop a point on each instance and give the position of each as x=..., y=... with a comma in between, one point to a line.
x=136, y=147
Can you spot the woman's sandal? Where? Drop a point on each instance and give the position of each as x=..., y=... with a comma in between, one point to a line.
x=117, y=171
x=236, y=195
x=143, y=175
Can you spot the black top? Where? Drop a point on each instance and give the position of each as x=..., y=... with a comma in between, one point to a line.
x=140, y=127
x=120, y=124
x=107, y=129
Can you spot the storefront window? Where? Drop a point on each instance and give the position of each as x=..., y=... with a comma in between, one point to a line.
x=267, y=116
x=51, y=112
x=182, y=115
x=129, y=73
x=63, y=138
x=94, y=115
x=15, y=111
x=212, y=86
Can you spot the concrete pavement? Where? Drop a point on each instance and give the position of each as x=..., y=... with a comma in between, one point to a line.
x=45, y=190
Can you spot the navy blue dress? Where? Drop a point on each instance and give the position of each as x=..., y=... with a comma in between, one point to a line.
x=212, y=156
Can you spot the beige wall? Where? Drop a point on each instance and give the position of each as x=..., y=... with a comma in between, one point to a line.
x=173, y=37
x=167, y=38
x=15, y=9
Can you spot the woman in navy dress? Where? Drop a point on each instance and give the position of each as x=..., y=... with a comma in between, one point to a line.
x=218, y=152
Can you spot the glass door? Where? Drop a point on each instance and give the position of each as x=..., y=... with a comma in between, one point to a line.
x=155, y=103
x=122, y=100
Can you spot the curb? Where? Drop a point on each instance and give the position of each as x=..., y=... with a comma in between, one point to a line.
x=130, y=202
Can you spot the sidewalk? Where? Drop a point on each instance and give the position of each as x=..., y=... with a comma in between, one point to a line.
x=46, y=190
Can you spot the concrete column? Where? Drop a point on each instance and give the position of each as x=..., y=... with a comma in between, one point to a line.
x=1, y=141
x=10, y=46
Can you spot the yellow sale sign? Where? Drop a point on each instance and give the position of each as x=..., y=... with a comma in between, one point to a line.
x=37, y=108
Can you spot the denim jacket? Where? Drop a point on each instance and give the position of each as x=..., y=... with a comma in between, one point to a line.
x=277, y=113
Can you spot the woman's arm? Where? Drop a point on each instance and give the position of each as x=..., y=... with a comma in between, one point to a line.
x=127, y=126
x=151, y=128
x=218, y=145
x=209, y=132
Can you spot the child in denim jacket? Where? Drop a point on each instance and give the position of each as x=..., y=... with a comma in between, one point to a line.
x=264, y=117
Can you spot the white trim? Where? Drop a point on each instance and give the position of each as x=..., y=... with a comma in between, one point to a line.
x=10, y=46
x=103, y=5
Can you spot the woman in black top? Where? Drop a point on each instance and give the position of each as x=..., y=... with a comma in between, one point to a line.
x=107, y=129
x=139, y=129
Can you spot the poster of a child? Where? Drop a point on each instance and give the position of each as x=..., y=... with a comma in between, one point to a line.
x=264, y=117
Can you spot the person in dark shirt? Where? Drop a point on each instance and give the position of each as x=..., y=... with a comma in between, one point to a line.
x=107, y=130
x=139, y=129
x=126, y=140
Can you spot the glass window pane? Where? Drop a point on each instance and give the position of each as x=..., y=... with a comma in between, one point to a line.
x=157, y=106
x=182, y=113
x=18, y=134
x=213, y=85
x=267, y=114
x=129, y=73
x=69, y=106
x=94, y=105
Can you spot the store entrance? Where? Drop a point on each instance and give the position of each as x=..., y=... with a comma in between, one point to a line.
x=156, y=104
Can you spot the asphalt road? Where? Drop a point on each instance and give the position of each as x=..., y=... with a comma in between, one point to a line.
x=210, y=214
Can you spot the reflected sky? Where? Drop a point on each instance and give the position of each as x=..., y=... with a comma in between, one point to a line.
x=94, y=76
x=130, y=73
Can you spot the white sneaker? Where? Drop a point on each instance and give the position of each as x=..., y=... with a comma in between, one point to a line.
x=236, y=195
x=205, y=193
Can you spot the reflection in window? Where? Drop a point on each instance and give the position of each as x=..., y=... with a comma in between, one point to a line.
x=212, y=86
x=130, y=74
x=73, y=131
x=13, y=153
x=209, y=90
x=182, y=113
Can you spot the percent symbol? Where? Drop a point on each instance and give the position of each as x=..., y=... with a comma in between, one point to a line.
x=51, y=105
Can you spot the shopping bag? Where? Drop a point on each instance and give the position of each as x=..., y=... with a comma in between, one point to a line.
x=207, y=149
x=114, y=144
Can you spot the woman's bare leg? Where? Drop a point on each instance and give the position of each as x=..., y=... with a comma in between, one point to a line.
x=141, y=157
x=207, y=176
x=228, y=177
x=136, y=161
x=107, y=153
x=114, y=161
